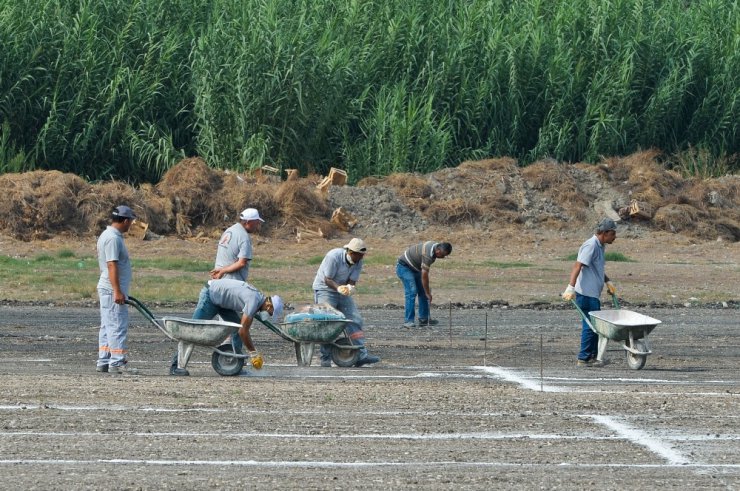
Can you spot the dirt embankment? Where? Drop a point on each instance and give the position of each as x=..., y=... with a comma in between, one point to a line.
x=193, y=199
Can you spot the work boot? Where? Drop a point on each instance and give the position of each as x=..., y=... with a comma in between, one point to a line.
x=367, y=360
x=101, y=369
x=326, y=362
x=409, y=325
x=428, y=322
x=179, y=372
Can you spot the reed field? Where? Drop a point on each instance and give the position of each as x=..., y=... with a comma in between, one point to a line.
x=125, y=89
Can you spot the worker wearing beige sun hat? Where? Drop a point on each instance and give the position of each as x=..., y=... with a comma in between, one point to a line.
x=334, y=285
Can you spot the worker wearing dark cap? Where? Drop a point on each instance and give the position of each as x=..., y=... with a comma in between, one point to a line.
x=587, y=279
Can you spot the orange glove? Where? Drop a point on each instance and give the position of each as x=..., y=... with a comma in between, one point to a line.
x=611, y=288
x=256, y=360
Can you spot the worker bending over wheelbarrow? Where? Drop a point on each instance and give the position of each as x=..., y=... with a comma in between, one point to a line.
x=235, y=301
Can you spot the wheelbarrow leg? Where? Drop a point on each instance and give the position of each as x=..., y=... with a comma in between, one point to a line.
x=603, y=341
x=184, y=350
x=304, y=353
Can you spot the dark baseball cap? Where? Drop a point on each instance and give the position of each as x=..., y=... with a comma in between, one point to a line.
x=123, y=211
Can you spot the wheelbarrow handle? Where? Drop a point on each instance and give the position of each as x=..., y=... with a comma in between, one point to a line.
x=583, y=315
x=141, y=308
x=615, y=301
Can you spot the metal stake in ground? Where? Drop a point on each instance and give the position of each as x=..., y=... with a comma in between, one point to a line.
x=485, y=342
x=449, y=317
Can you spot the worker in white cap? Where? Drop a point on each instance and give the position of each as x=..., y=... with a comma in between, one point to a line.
x=234, y=252
x=334, y=285
x=238, y=302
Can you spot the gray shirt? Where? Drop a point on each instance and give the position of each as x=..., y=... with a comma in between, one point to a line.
x=112, y=248
x=235, y=295
x=590, y=281
x=419, y=256
x=234, y=244
x=336, y=268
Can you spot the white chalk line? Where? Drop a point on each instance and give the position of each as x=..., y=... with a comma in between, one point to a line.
x=356, y=464
x=533, y=383
x=642, y=438
x=372, y=436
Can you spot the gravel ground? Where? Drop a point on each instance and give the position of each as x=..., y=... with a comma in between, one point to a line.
x=488, y=399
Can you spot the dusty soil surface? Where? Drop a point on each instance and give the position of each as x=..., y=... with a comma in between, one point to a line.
x=488, y=399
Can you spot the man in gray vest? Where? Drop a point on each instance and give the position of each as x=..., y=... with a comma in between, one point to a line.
x=412, y=268
x=113, y=288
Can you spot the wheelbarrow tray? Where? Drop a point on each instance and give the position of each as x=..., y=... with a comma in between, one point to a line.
x=314, y=331
x=616, y=325
x=210, y=333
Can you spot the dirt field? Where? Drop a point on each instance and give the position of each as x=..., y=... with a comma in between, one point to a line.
x=488, y=399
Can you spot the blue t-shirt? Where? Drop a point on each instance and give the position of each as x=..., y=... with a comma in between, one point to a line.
x=336, y=268
x=590, y=281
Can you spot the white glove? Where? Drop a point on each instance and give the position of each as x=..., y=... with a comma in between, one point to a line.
x=346, y=290
x=569, y=293
x=263, y=315
x=611, y=288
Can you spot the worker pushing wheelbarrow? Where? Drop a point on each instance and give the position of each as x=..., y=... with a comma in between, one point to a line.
x=586, y=282
x=224, y=298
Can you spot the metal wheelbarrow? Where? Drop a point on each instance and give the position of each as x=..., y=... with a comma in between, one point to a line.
x=190, y=333
x=305, y=331
x=629, y=327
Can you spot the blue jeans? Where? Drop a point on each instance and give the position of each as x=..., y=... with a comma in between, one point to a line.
x=207, y=310
x=589, y=339
x=412, y=288
x=347, y=306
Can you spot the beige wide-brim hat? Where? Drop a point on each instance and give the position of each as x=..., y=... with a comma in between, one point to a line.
x=356, y=245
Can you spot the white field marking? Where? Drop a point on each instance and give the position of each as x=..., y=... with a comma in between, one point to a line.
x=525, y=382
x=374, y=436
x=26, y=360
x=330, y=464
x=532, y=383
x=646, y=380
x=298, y=436
x=641, y=438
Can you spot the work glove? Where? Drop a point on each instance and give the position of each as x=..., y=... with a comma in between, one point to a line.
x=611, y=288
x=346, y=290
x=256, y=360
x=569, y=293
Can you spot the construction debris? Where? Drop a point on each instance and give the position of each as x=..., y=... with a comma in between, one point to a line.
x=336, y=177
x=343, y=220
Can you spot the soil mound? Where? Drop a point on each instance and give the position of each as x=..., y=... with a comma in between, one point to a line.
x=193, y=199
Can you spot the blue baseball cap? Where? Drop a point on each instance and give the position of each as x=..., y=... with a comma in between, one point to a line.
x=123, y=211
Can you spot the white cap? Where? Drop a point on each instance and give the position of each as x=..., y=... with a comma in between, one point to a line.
x=356, y=245
x=250, y=214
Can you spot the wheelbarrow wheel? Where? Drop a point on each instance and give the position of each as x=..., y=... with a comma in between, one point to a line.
x=344, y=357
x=634, y=361
x=225, y=365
